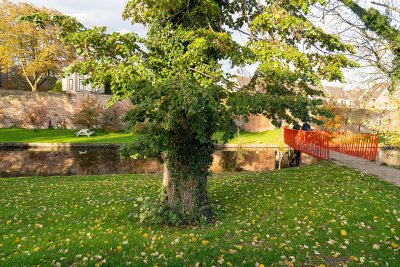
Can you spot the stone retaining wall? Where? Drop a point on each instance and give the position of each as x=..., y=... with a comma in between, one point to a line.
x=13, y=105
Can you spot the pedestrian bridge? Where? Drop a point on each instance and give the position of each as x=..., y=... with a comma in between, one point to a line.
x=318, y=143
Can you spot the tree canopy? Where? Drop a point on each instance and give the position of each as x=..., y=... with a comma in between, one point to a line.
x=373, y=29
x=174, y=78
x=36, y=53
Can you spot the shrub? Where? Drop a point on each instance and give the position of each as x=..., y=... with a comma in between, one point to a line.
x=36, y=116
x=141, y=127
x=88, y=113
x=61, y=123
x=110, y=120
x=111, y=117
x=57, y=87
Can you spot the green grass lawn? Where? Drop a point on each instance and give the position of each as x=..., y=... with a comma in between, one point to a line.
x=65, y=136
x=68, y=136
x=318, y=214
x=267, y=137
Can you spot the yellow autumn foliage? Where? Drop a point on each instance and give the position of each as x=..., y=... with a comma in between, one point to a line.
x=35, y=52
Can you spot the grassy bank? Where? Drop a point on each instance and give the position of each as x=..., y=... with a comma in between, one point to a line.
x=318, y=214
x=68, y=136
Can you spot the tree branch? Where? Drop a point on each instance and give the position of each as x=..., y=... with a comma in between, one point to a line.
x=387, y=6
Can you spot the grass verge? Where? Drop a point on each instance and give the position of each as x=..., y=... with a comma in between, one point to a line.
x=68, y=136
x=317, y=214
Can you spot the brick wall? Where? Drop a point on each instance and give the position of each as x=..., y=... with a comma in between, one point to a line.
x=255, y=124
x=58, y=105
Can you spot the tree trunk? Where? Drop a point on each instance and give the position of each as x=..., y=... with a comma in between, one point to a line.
x=185, y=175
x=166, y=175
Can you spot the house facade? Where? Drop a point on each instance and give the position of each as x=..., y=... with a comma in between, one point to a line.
x=372, y=95
x=335, y=93
x=73, y=83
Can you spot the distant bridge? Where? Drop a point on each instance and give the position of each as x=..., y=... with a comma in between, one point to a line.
x=318, y=143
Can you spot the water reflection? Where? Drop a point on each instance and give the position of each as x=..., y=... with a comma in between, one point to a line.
x=16, y=163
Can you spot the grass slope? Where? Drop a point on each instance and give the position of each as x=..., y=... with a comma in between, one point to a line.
x=68, y=136
x=318, y=214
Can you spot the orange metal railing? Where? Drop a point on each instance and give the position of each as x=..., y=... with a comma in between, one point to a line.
x=313, y=143
x=318, y=143
x=355, y=144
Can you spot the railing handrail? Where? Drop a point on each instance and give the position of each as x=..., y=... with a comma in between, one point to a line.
x=317, y=143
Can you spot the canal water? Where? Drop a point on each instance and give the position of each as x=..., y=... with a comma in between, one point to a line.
x=18, y=163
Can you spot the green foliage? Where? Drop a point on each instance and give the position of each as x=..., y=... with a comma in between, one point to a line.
x=152, y=210
x=57, y=87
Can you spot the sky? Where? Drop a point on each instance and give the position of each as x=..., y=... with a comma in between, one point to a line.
x=93, y=13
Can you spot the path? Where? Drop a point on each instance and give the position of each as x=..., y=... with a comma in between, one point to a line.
x=389, y=174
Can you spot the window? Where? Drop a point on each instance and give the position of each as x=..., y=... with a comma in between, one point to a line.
x=71, y=84
x=82, y=87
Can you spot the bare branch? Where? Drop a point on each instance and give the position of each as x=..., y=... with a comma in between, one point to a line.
x=387, y=6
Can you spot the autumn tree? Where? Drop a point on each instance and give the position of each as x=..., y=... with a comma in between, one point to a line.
x=36, y=53
x=176, y=83
x=339, y=116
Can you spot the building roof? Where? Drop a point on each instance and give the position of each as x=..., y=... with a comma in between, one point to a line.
x=243, y=80
x=332, y=91
x=337, y=92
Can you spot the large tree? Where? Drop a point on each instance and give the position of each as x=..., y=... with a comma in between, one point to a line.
x=176, y=82
x=35, y=53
